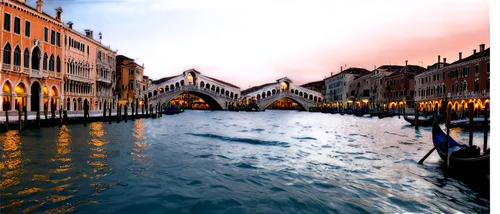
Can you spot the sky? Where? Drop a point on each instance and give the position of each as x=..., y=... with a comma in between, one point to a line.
x=250, y=43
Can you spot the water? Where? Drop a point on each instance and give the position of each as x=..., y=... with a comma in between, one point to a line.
x=232, y=162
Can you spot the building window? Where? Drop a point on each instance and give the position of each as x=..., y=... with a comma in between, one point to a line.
x=58, y=39
x=17, y=25
x=27, y=29
x=45, y=61
x=45, y=34
x=65, y=40
x=51, y=63
x=6, y=54
x=6, y=22
x=477, y=68
x=17, y=56
x=131, y=85
x=52, y=37
x=26, y=58
x=476, y=85
x=131, y=72
x=58, y=64
x=488, y=67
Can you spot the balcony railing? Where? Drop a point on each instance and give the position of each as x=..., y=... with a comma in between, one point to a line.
x=37, y=74
x=26, y=70
x=102, y=79
x=7, y=67
x=17, y=69
x=458, y=95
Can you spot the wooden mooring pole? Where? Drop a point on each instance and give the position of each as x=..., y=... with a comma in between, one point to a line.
x=471, y=122
x=136, y=106
x=416, y=116
x=104, y=112
x=126, y=112
x=447, y=144
x=118, y=113
x=85, y=117
x=486, y=127
x=60, y=117
x=7, y=120
x=38, y=119
x=110, y=116
x=20, y=111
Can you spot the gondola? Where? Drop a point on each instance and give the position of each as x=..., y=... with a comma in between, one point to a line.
x=359, y=113
x=422, y=121
x=463, y=158
x=349, y=112
x=342, y=112
x=385, y=114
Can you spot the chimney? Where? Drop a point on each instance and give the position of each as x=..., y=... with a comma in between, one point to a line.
x=340, y=68
x=444, y=62
x=70, y=24
x=100, y=36
x=89, y=33
x=439, y=61
x=331, y=73
x=39, y=5
x=406, y=63
x=459, y=55
x=481, y=47
x=474, y=51
x=59, y=12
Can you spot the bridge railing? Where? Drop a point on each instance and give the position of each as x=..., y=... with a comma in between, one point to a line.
x=193, y=88
x=284, y=93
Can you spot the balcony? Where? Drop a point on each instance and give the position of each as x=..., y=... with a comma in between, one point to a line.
x=26, y=70
x=78, y=78
x=7, y=67
x=469, y=95
x=38, y=74
x=102, y=79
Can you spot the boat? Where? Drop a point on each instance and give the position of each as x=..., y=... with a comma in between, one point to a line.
x=463, y=157
x=477, y=122
x=342, y=112
x=349, y=111
x=422, y=121
x=385, y=114
x=359, y=113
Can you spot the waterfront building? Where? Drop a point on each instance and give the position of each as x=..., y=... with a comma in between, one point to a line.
x=461, y=82
x=79, y=69
x=106, y=74
x=377, y=87
x=399, y=86
x=32, y=54
x=129, y=80
x=359, y=90
x=318, y=86
x=337, y=86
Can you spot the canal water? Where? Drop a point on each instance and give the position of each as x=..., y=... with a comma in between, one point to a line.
x=233, y=162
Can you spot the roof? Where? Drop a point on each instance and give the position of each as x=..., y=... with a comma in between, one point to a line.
x=255, y=88
x=220, y=81
x=354, y=70
x=364, y=75
x=391, y=68
x=410, y=68
x=317, y=83
x=474, y=56
x=164, y=79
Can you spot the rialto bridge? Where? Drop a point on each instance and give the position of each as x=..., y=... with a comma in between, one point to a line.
x=267, y=94
x=220, y=95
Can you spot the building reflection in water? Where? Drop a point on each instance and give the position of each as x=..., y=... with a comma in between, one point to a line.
x=284, y=104
x=98, y=152
x=139, y=154
x=11, y=163
x=189, y=101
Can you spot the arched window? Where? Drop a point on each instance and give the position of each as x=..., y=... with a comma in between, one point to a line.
x=6, y=54
x=45, y=61
x=488, y=84
x=26, y=58
x=476, y=85
x=17, y=56
x=51, y=63
x=58, y=64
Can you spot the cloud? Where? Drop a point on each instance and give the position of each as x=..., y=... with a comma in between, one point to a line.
x=253, y=42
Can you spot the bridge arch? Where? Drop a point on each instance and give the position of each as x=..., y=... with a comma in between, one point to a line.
x=213, y=102
x=302, y=105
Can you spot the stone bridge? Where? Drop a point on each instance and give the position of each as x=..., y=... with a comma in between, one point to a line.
x=267, y=94
x=216, y=93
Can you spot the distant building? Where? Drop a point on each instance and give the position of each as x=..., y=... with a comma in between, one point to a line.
x=378, y=88
x=466, y=80
x=337, y=86
x=129, y=80
x=359, y=90
x=399, y=86
x=318, y=86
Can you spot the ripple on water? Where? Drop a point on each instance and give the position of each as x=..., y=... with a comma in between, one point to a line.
x=242, y=140
x=304, y=138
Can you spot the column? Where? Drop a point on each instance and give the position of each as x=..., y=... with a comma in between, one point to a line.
x=40, y=105
x=28, y=103
x=49, y=104
x=13, y=101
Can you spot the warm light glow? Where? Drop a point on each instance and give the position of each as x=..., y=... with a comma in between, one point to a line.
x=20, y=89
x=45, y=91
x=6, y=88
x=53, y=92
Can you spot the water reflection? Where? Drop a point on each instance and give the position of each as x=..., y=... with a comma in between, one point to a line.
x=98, y=152
x=62, y=151
x=11, y=164
x=139, y=155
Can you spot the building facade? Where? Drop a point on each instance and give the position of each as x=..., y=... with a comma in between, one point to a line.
x=399, y=86
x=464, y=81
x=106, y=77
x=130, y=84
x=32, y=54
x=359, y=91
x=337, y=86
x=378, y=88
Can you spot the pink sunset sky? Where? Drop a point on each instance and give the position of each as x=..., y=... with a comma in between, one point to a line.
x=250, y=43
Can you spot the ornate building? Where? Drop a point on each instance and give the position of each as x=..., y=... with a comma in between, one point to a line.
x=106, y=93
x=130, y=85
x=32, y=56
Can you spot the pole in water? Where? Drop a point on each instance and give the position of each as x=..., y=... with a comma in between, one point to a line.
x=85, y=117
x=426, y=155
x=38, y=119
x=118, y=113
x=20, y=111
x=471, y=121
x=104, y=112
x=416, y=116
x=60, y=117
x=110, y=117
x=486, y=127
x=126, y=112
x=447, y=145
